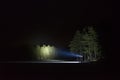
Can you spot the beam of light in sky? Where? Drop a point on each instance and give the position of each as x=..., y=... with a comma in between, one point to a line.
x=69, y=54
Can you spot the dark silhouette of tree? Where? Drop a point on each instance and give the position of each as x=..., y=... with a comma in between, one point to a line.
x=93, y=44
x=86, y=43
x=76, y=44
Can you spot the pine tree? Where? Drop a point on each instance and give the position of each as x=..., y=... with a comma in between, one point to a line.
x=91, y=48
x=86, y=46
x=75, y=43
x=86, y=43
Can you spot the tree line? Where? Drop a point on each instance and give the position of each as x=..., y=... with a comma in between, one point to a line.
x=85, y=43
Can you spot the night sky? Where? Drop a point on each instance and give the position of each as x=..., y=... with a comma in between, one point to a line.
x=51, y=22
x=54, y=22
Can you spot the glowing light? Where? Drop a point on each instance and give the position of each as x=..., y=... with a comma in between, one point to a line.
x=45, y=52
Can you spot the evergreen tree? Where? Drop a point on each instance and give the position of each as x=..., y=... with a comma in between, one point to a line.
x=86, y=46
x=86, y=43
x=94, y=45
x=91, y=48
x=75, y=44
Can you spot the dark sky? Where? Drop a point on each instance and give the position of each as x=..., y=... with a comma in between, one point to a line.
x=52, y=22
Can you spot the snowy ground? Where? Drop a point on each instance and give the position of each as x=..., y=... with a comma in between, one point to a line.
x=49, y=61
